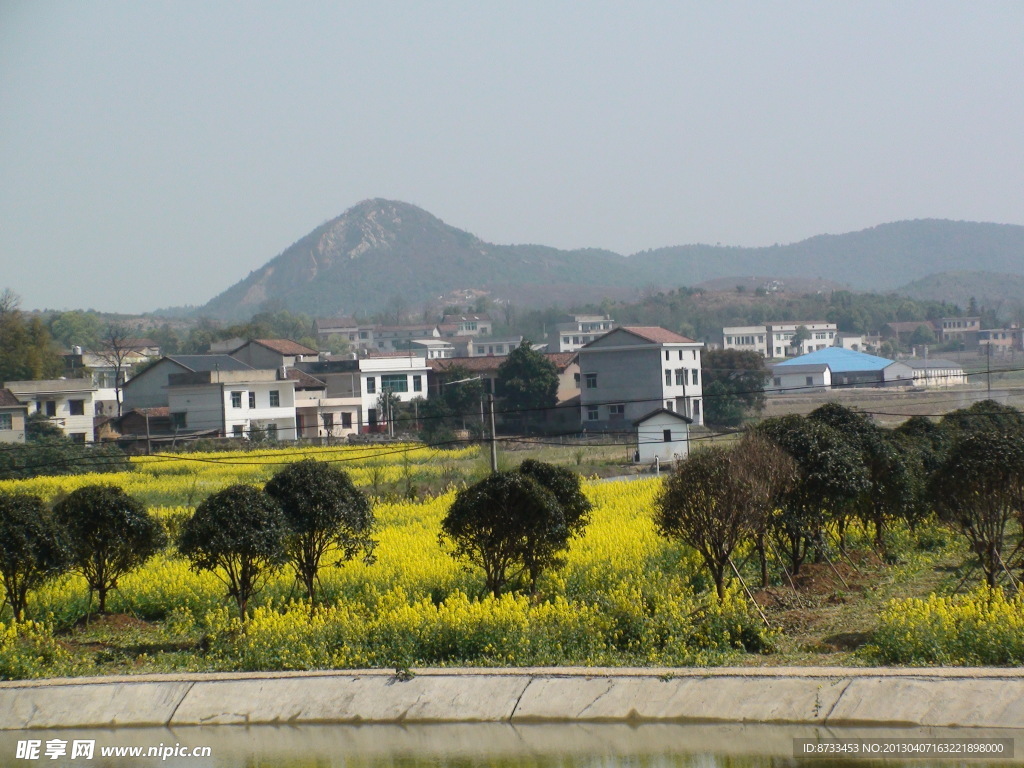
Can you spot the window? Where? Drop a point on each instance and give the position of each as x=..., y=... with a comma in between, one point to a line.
x=371, y=385
x=6, y=422
x=680, y=377
x=696, y=407
x=680, y=354
x=363, y=335
x=669, y=405
x=778, y=381
x=591, y=380
x=252, y=399
x=178, y=420
x=346, y=420
x=77, y=437
x=417, y=383
x=328, y=422
x=371, y=416
x=616, y=412
x=694, y=375
x=395, y=382
x=592, y=413
x=666, y=354
x=668, y=378
x=809, y=380
x=236, y=430
x=576, y=379
x=666, y=435
x=272, y=432
x=51, y=407
x=236, y=400
x=275, y=398
x=76, y=407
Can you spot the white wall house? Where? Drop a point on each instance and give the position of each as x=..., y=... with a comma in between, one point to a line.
x=573, y=331
x=663, y=435
x=68, y=403
x=632, y=370
x=405, y=377
x=746, y=338
x=780, y=337
x=799, y=379
x=936, y=372
x=235, y=403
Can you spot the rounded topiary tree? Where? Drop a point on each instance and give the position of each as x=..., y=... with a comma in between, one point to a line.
x=239, y=535
x=507, y=523
x=31, y=548
x=325, y=513
x=109, y=533
x=565, y=485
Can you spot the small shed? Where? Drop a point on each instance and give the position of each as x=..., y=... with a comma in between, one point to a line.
x=662, y=434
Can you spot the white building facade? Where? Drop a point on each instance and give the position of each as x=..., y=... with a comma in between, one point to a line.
x=235, y=403
x=67, y=403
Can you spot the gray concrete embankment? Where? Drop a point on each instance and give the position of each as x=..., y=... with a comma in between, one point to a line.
x=983, y=698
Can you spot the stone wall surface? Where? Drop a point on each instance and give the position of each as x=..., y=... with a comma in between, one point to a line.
x=981, y=698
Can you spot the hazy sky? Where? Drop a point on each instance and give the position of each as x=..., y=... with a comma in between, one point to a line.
x=153, y=153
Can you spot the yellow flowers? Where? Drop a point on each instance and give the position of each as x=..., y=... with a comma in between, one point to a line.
x=624, y=596
x=981, y=628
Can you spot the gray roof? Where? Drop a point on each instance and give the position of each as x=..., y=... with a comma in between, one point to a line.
x=921, y=363
x=210, y=363
x=809, y=368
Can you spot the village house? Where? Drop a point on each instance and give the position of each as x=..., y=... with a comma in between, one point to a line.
x=846, y=368
x=632, y=370
x=746, y=338
x=273, y=353
x=149, y=388
x=573, y=331
x=662, y=435
x=963, y=330
x=936, y=372
x=12, y=418
x=67, y=403
x=235, y=403
x=466, y=325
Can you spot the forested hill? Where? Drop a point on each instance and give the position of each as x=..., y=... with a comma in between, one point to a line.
x=382, y=251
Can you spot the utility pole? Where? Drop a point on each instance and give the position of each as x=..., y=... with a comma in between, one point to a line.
x=494, y=444
x=988, y=369
x=149, y=441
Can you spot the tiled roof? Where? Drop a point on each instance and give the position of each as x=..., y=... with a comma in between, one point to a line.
x=304, y=379
x=7, y=399
x=198, y=363
x=562, y=360
x=286, y=347
x=656, y=334
x=157, y=411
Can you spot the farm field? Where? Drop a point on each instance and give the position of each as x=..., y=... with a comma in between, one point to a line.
x=624, y=596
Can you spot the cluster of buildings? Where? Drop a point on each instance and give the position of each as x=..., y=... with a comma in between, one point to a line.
x=612, y=378
x=284, y=390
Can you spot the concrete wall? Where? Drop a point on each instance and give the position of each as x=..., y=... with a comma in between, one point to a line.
x=982, y=698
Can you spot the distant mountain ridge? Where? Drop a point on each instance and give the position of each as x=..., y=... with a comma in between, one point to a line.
x=381, y=249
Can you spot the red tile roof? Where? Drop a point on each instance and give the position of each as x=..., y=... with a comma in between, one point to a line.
x=656, y=334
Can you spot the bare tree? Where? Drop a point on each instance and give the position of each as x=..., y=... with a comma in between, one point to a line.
x=115, y=347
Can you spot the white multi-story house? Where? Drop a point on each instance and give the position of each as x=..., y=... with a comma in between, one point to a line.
x=631, y=371
x=492, y=347
x=67, y=403
x=235, y=403
x=574, y=331
x=404, y=377
x=466, y=325
x=746, y=338
x=780, y=337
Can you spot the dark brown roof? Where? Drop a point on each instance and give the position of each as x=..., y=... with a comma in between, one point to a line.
x=303, y=379
x=285, y=346
x=562, y=360
x=7, y=399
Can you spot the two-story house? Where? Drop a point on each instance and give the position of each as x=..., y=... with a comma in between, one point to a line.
x=633, y=370
x=68, y=403
x=273, y=353
x=237, y=403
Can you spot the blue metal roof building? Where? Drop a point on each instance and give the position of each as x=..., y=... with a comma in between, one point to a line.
x=851, y=369
x=840, y=360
